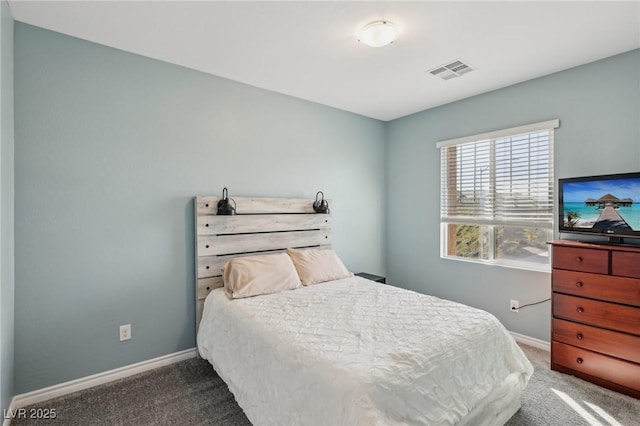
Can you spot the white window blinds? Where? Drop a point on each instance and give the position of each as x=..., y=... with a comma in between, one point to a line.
x=500, y=178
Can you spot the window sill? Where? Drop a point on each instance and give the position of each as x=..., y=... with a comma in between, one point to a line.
x=503, y=264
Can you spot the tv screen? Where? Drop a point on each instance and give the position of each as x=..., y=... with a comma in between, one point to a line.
x=602, y=205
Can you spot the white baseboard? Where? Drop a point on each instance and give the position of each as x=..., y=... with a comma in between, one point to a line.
x=531, y=341
x=34, y=397
x=12, y=409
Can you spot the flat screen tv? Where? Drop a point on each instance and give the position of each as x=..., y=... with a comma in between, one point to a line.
x=601, y=205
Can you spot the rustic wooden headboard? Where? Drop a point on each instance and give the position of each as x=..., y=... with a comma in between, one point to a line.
x=261, y=225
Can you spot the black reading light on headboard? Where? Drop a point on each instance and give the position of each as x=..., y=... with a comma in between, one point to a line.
x=321, y=205
x=224, y=207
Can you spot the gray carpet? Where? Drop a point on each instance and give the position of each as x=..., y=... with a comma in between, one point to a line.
x=541, y=406
x=191, y=393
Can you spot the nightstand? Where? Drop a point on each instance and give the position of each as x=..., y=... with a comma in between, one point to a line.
x=376, y=278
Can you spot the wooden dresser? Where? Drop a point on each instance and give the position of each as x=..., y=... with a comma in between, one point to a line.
x=595, y=331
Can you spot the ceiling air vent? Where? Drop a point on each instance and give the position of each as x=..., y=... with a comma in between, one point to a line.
x=454, y=69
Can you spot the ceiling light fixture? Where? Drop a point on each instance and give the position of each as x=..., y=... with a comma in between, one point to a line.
x=377, y=34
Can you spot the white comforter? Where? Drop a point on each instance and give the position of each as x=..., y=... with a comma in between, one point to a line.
x=355, y=352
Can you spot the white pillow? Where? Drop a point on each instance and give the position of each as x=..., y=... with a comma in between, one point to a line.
x=261, y=274
x=318, y=265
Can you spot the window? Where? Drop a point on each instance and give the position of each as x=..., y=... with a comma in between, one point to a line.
x=497, y=196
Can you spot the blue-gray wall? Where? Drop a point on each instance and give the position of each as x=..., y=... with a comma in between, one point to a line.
x=6, y=208
x=110, y=148
x=598, y=105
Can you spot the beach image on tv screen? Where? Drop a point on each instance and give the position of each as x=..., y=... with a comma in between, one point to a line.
x=602, y=205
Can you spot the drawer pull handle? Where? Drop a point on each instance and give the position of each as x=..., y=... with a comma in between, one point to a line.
x=580, y=309
x=579, y=259
x=579, y=336
x=579, y=284
x=579, y=360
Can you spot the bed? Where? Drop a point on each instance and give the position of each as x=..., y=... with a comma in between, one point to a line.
x=348, y=351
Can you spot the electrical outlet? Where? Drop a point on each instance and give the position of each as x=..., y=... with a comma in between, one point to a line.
x=514, y=306
x=125, y=332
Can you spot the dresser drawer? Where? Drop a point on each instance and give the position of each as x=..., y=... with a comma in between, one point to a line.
x=625, y=264
x=611, y=369
x=604, y=287
x=579, y=259
x=602, y=314
x=596, y=339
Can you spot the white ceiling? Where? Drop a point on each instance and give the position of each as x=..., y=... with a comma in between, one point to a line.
x=309, y=49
